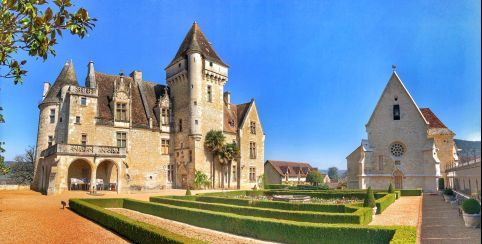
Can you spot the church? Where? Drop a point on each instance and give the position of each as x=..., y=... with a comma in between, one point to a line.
x=122, y=133
x=407, y=146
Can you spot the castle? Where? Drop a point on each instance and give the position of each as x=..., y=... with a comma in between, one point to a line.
x=126, y=134
x=407, y=146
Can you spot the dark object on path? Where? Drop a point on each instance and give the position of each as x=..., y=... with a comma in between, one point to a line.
x=63, y=204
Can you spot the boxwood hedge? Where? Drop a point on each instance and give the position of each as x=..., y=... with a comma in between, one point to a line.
x=383, y=202
x=410, y=192
x=357, y=217
x=136, y=231
x=278, y=230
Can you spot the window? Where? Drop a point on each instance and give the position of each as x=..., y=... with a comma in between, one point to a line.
x=234, y=175
x=170, y=173
x=397, y=162
x=252, y=150
x=77, y=119
x=165, y=146
x=252, y=127
x=180, y=125
x=211, y=64
x=396, y=112
x=121, y=112
x=83, y=140
x=190, y=155
x=52, y=116
x=165, y=116
x=397, y=149
x=50, y=141
x=121, y=139
x=83, y=101
x=252, y=174
x=380, y=162
x=210, y=94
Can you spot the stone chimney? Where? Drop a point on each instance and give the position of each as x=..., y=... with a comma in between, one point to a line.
x=90, y=80
x=46, y=89
x=137, y=76
x=227, y=97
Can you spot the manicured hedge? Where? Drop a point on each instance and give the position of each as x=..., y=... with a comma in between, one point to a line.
x=228, y=193
x=277, y=186
x=317, y=207
x=276, y=230
x=357, y=217
x=136, y=231
x=410, y=192
x=319, y=194
x=384, y=202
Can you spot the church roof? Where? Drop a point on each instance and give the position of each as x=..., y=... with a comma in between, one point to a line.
x=66, y=77
x=293, y=169
x=432, y=119
x=196, y=41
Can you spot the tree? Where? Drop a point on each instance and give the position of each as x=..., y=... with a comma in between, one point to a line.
x=390, y=188
x=23, y=167
x=369, y=199
x=333, y=173
x=228, y=153
x=214, y=143
x=25, y=27
x=200, y=180
x=3, y=168
x=314, y=177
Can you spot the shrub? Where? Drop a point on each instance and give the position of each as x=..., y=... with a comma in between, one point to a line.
x=369, y=199
x=441, y=184
x=410, y=192
x=471, y=206
x=301, y=216
x=188, y=192
x=276, y=186
x=138, y=232
x=384, y=202
x=390, y=188
x=449, y=192
x=201, y=180
x=277, y=230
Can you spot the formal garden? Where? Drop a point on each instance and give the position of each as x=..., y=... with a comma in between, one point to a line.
x=274, y=214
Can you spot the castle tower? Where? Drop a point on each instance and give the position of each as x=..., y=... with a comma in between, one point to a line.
x=196, y=77
x=52, y=116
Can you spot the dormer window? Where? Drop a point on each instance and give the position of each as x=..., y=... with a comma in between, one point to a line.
x=121, y=112
x=396, y=112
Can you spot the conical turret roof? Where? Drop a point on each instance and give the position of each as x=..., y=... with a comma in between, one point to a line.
x=196, y=41
x=66, y=77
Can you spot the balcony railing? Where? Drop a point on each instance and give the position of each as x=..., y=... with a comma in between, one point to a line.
x=84, y=150
x=462, y=165
x=83, y=90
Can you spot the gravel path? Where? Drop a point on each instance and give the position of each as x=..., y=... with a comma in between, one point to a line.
x=404, y=211
x=195, y=232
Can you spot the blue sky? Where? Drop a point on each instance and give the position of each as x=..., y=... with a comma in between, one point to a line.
x=315, y=68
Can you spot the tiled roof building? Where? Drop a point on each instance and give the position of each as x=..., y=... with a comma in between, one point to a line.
x=122, y=133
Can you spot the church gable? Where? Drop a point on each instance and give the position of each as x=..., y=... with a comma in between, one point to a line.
x=395, y=105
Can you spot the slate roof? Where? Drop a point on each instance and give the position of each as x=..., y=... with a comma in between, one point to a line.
x=293, y=169
x=196, y=41
x=234, y=116
x=66, y=77
x=105, y=86
x=432, y=119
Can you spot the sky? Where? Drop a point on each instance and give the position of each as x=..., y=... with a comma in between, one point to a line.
x=315, y=68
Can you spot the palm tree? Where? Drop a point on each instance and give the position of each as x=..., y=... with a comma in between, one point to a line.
x=214, y=142
x=227, y=155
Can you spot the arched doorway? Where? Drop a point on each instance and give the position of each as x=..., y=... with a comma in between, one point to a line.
x=398, y=179
x=79, y=175
x=107, y=176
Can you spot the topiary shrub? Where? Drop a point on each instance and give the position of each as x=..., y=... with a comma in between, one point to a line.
x=441, y=184
x=188, y=192
x=369, y=199
x=449, y=192
x=390, y=188
x=471, y=206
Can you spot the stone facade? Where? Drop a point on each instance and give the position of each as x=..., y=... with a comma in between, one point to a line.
x=127, y=134
x=406, y=146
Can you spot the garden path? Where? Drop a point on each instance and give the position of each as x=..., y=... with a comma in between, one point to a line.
x=404, y=211
x=442, y=224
